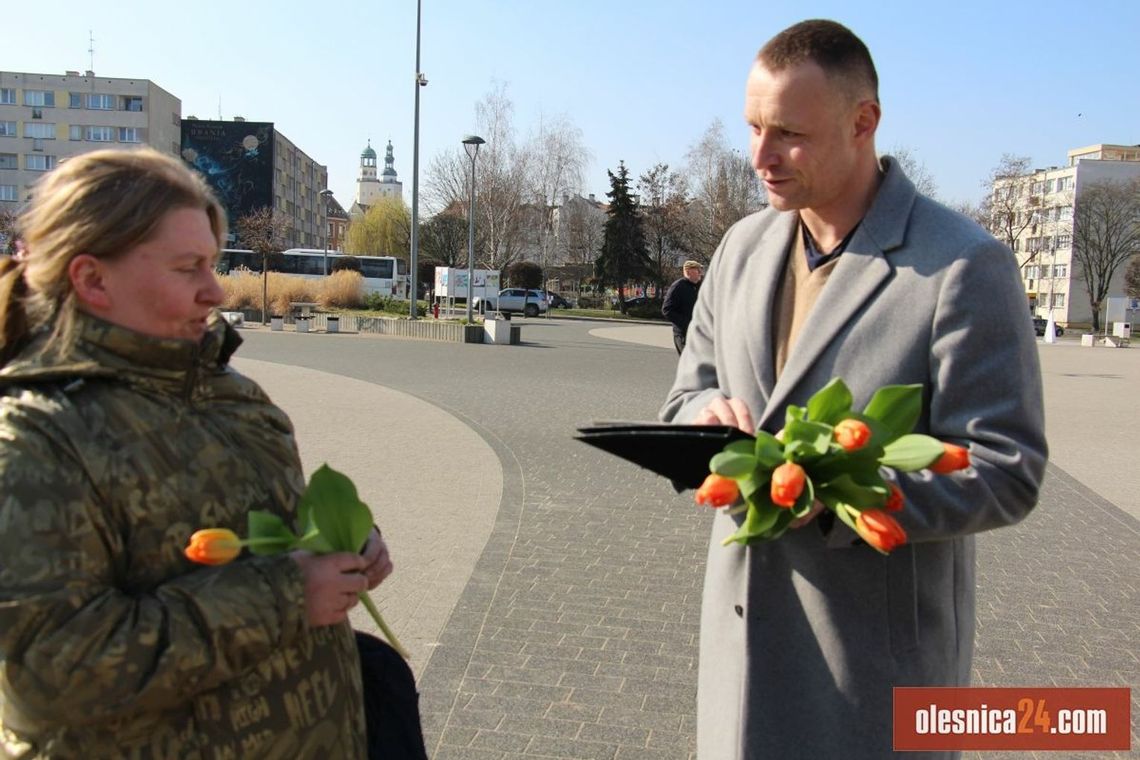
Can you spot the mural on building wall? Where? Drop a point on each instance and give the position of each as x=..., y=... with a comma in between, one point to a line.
x=236, y=158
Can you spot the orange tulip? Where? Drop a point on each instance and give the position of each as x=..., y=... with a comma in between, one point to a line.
x=852, y=434
x=879, y=529
x=717, y=491
x=787, y=484
x=953, y=458
x=213, y=546
x=894, y=499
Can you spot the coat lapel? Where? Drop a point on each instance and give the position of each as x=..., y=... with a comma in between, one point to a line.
x=861, y=272
x=765, y=272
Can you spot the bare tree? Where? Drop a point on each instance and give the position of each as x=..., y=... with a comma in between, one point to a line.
x=264, y=232
x=725, y=190
x=443, y=238
x=1009, y=204
x=975, y=212
x=7, y=231
x=915, y=170
x=1106, y=235
x=500, y=184
x=1132, y=277
x=664, y=206
x=557, y=161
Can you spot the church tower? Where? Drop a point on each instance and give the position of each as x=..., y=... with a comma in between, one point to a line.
x=390, y=183
x=367, y=184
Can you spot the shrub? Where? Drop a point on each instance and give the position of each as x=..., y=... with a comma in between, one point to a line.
x=242, y=290
x=342, y=289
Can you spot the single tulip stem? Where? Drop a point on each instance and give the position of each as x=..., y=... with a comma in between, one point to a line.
x=379, y=619
x=739, y=509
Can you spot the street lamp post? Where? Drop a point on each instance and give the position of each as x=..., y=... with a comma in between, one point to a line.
x=421, y=81
x=325, y=198
x=471, y=144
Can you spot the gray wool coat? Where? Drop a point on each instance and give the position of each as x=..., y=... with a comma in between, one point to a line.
x=803, y=638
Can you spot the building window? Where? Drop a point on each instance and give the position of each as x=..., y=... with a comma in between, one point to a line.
x=1064, y=241
x=1066, y=214
x=39, y=98
x=7, y=129
x=1064, y=183
x=1058, y=300
x=101, y=134
x=8, y=161
x=75, y=132
x=75, y=100
x=7, y=96
x=38, y=162
x=39, y=130
x=101, y=102
x=129, y=134
x=132, y=103
x=7, y=192
x=1061, y=270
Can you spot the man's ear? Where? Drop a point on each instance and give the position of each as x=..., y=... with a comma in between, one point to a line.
x=867, y=115
x=87, y=275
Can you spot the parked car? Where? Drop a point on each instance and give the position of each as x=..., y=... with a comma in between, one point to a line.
x=643, y=301
x=1039, y=324
x=515, y=301
x=557, y=301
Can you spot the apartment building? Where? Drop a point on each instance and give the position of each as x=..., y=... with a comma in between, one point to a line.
x=251, y=165
x=1043, y=204
x=46, y=118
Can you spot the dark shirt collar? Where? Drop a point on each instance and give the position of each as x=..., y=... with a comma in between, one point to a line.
x=816, y=259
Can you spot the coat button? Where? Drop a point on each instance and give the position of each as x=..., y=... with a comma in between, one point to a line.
x=739, y=610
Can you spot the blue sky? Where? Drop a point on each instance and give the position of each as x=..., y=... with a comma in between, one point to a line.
x=961, y=83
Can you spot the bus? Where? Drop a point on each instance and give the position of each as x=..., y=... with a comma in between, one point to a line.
x=386, y=275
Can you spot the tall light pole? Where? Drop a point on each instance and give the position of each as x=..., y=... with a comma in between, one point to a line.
x=471, y=144
x=421, y=81
x=325, y=200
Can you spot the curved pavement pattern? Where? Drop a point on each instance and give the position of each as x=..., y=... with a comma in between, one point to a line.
x=576, y=632
x=415, y=466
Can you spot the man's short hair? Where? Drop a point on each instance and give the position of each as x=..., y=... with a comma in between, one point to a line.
x=829, y=45
x=690, y=264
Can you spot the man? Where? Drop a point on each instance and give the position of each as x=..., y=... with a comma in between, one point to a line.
x=680, y=300
x=850, y=274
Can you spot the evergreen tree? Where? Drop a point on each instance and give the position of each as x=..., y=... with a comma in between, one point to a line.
x=625, y=256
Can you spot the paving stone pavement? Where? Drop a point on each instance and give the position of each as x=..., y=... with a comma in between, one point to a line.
x=576, y=634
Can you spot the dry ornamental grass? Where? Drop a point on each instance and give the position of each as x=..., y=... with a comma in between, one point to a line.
x=343, y=289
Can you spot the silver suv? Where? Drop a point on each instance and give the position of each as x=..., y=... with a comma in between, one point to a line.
x=515, y=300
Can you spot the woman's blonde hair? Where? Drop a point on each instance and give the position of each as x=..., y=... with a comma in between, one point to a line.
x=103, y=204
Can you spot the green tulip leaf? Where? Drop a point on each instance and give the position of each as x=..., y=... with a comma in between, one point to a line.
x=769, y=451
x=807, y=439
x=863, y=495
x=912, y=452
x=344, y=521
x=793, y=414
x=731, y=464
x=268, y=534
x=897, y=407
x=830, y=404
x=753, y=482
x=762, y=515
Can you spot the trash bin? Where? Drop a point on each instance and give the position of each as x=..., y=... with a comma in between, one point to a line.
x=302, y=324
x=333, y=324
x=277, y=323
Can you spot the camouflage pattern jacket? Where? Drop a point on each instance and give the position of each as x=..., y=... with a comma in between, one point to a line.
x=112, y=644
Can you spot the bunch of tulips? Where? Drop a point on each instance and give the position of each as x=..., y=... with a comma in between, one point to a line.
x=831, y=454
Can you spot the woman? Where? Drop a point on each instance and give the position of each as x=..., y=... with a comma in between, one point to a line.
x=122, y=431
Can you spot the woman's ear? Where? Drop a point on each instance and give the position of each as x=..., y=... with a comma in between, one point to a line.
x=87, y=280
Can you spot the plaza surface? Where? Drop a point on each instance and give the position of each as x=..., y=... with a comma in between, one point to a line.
x=550, y=594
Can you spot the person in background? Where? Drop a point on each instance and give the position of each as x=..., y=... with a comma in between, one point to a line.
x=680, y=300
x=122, y=431
x=852, y=274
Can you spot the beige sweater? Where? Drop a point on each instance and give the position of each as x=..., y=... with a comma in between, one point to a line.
x=795, y=298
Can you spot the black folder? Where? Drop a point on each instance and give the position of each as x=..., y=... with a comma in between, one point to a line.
x=678, y=452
